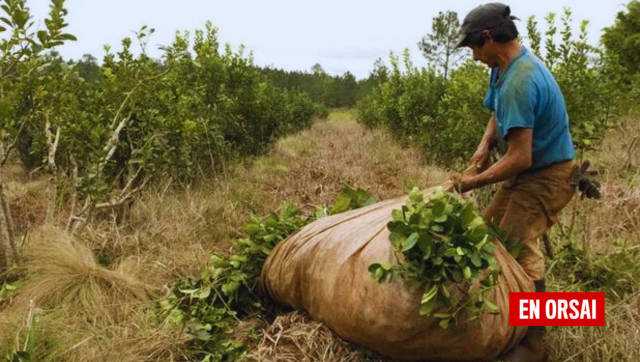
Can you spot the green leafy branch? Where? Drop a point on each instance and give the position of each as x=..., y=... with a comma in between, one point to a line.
x=211, y=306
x=443, y=243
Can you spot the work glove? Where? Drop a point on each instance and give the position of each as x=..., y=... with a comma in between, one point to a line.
x=583, y=180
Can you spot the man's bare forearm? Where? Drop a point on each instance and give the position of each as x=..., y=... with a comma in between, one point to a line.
x=488, y=140
x=504, y=169
x=517, y=159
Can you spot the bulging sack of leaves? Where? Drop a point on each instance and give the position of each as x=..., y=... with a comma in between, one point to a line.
x=326, y=269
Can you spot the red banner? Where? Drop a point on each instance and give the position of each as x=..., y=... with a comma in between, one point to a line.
x=556, y=309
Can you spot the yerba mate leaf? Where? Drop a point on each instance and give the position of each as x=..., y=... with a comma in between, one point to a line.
x=456, y=275
x=450, y=252
x=427, y=308
x=438, y=208
x=444, y=324
x=442, y=315
x=271, y=221
x=467, y=272
x=410, y=242
x=492, y=307
x=448, y=209
x=440, y=219
x=467, y=214
x=397, y=239
x=475, y=259
x=397, y=215
x=414, y=219
x=445, y=291
x=252, y=229
x=432, y=293
x=424, y=243
x=415, y=195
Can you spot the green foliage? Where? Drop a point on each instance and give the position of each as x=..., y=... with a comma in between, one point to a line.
x=445, y=117
x=461, y=120
x=350, y=198
x=119, y=125
x=623, y=38
x=321, y=111
x=331, y=91
x=589, y=80
x=212, y=305
x=439, y=47
x=622, y=45
x=7, y=290
x=401, y=103
x=534, y=36
x=442, y=241
x=26, y=347
x=21, y=57
x=616, y=274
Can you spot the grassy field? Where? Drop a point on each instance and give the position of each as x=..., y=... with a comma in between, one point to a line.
x=91, y=299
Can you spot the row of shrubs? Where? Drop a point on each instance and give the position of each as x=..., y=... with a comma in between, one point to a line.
x=187, y=114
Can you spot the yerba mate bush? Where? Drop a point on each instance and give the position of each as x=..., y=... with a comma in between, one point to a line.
x=134, y=119
x=589, y=78
x=443, y=241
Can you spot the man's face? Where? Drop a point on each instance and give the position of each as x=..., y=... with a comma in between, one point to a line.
x=479, y=54
x=486, y=53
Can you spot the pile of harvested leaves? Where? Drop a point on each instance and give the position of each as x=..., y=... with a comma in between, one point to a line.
x=212, y=305
x=443, y=243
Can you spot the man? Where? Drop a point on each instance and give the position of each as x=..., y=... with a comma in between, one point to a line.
x=529, y=125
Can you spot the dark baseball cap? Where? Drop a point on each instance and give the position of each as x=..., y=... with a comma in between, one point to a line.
x=484, y=17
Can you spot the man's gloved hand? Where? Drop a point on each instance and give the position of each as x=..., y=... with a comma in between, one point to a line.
x=582, y=178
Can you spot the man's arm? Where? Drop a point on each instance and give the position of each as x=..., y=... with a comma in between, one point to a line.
x=481, y=156
x=517, y=159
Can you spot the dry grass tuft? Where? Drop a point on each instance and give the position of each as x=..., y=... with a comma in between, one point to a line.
x=295, y=337
x=72, y=309
x=65, y=274
x=27, y=203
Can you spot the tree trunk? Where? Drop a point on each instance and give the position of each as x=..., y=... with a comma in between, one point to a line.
x=74, y=193
x=5, y=246
x=52, y=145
x=8, y=249
x=446, y=65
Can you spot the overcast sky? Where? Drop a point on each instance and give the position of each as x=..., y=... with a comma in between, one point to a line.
x=341, y=35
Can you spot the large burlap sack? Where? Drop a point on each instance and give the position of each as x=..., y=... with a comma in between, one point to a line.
x=323, y=269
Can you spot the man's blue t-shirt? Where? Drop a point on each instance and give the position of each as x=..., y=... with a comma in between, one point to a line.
x=527, y=96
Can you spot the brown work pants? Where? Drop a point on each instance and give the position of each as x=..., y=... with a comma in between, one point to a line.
x=527, y=206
